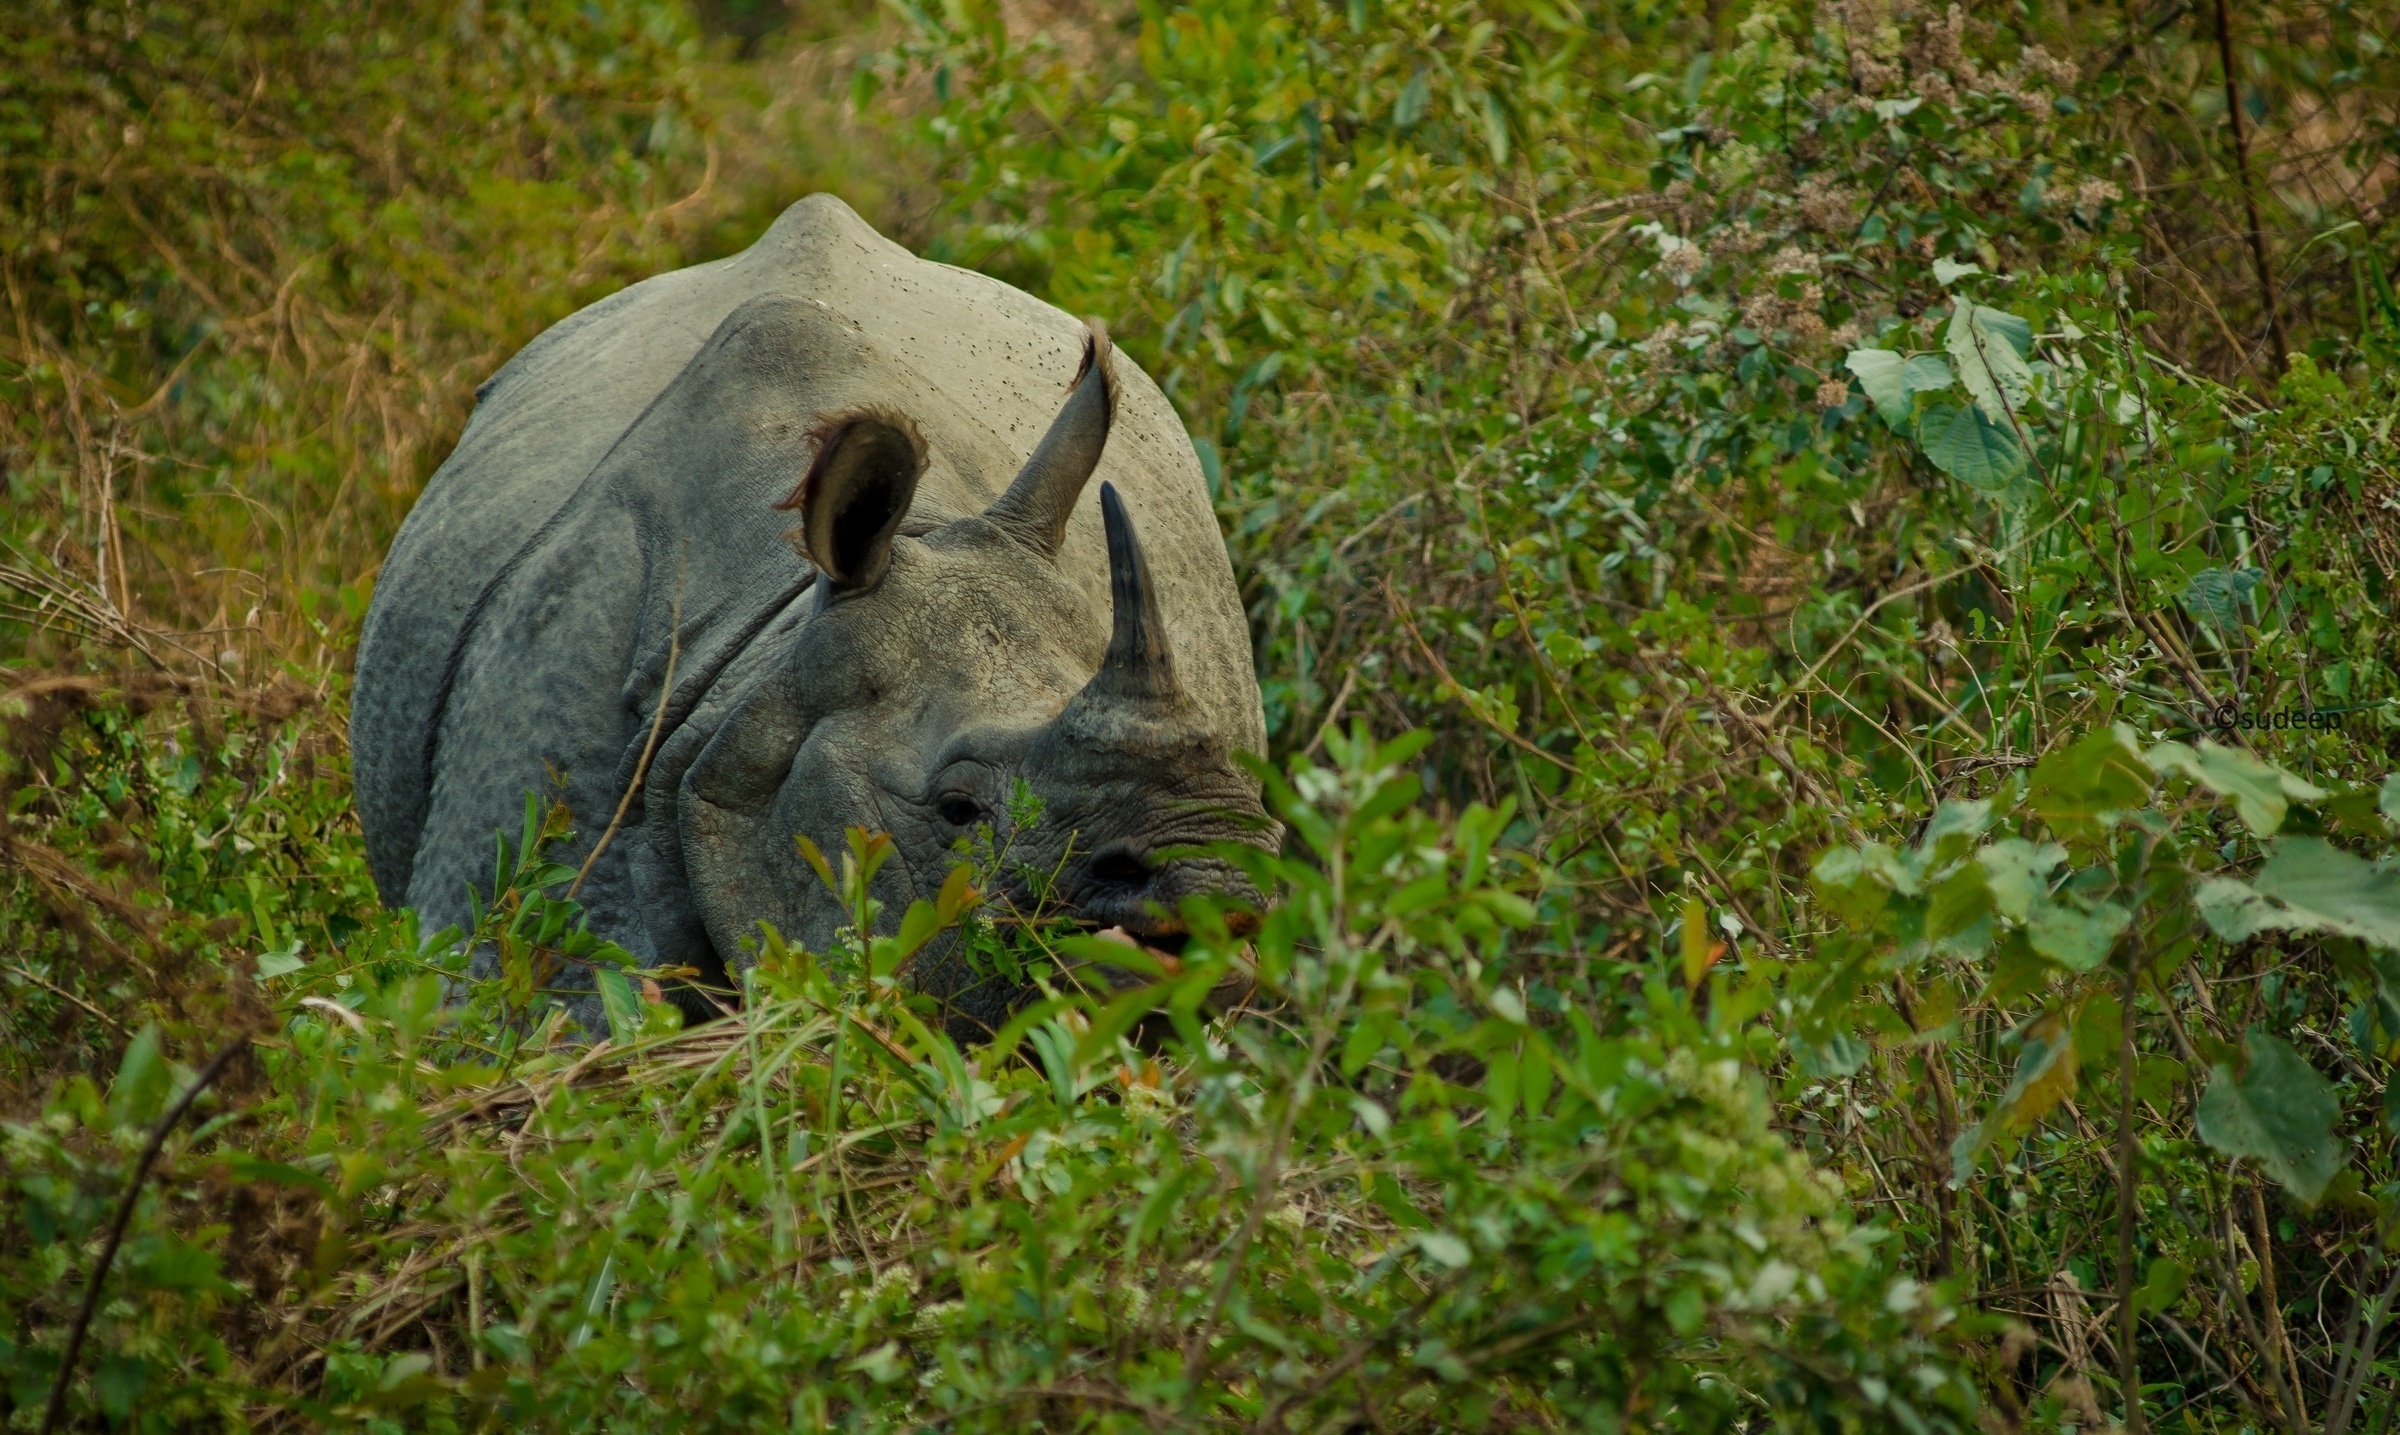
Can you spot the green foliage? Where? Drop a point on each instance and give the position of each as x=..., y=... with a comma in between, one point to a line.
x=1541, y=421
x=1819, y=962
x=1393, y=1186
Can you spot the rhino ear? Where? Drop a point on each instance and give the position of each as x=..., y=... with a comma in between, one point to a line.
x=855, y=493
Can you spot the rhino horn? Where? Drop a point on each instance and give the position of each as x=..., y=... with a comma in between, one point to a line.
x=1035, y=508
x=1140, y=664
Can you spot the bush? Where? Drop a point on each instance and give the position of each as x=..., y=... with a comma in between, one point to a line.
x=1894, y=924
x=1393, y=1187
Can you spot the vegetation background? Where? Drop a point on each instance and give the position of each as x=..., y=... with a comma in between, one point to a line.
x=1870, y=532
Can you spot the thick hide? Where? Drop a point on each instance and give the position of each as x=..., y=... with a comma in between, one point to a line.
x=630, y=509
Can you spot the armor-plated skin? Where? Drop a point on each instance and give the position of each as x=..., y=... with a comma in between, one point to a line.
x=949, y=443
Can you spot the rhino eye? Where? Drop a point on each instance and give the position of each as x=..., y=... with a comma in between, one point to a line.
x=959, y=810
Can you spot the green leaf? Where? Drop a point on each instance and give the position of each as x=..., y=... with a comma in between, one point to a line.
x=2261, y=791
x=1445, y=1249
x=1387, y=1194
x=2018, y=873
x=165, y=1262
x=143, y=1081
x=1990, y=348
x=2045, y=1075
x=280, y=962
x=1955, y=824
x=1118, y=1018
x=1947, y=272
x=1495, y=128
x=2321, y=887
x=244, y=1167
x=1969, y=447
x=2215, y=596
x=623, y=1005
x=2389, y=805
x=2280, y=1113
x=2076, y=940
x=883, y=1364
x=2089, y=784
x=1879, y=377
x=2236, y=913
x=2163, y=1286
x=917, y=927
x=117, y=1382
x=1892, y=382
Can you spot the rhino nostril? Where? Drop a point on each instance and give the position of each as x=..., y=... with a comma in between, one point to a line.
x=1119, y=867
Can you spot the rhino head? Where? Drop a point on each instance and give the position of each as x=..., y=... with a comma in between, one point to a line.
x=940, y=667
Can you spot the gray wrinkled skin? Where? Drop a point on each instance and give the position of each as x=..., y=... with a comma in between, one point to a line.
x=963, y=615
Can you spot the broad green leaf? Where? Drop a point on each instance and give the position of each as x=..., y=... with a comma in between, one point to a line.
x=2280, y=1113
x=1118, y=1018
x=168, y=1262
x=1926, y=374
x=1979, y=452
x=245, y=1167
x=2018, y=873
x=1838, y=1055
x=1947, y=272
x=143, y=1082
x=1990, y=347
x=1954, y=824
x=2389, y=804
x=2236, y=913
x=917, y=927
x=2076, y=940
x=2089, y=784
x=1892, y=382
x=1387, y=1194
x=2383, y=1005
x=1445, y=1249
x=2215, y=596
x=883, y=1365
x=623, y=1005
x=2163, y=1286
x=958, y=893
x=2261, y=791
x=1695, y=941
x=2045, y=1076
x=2333, y=890
x=280, y=962
x=1878, y=372
x=817, y=863
x=117, y=1382
x=1857, y=882
x=1958, y=914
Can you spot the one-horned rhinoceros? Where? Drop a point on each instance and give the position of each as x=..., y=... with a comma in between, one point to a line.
x=602, y=592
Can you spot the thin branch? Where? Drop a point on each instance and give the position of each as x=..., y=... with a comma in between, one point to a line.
x=2241, y=165
x=124, y=1218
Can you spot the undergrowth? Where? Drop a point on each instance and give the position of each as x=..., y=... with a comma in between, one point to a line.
x=1884, y=516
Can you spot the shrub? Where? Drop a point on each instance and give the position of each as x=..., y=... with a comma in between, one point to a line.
x=1391, y=1187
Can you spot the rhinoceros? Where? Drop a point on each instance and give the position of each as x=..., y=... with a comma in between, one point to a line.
x=602, y=597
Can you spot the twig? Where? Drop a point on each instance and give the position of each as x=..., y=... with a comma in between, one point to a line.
x=1844, y=640
x=116, y=1230
x=641, y=768
x=1443, y=669
x=2129, y=1323
x=2241, y=165
x=58, y=991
